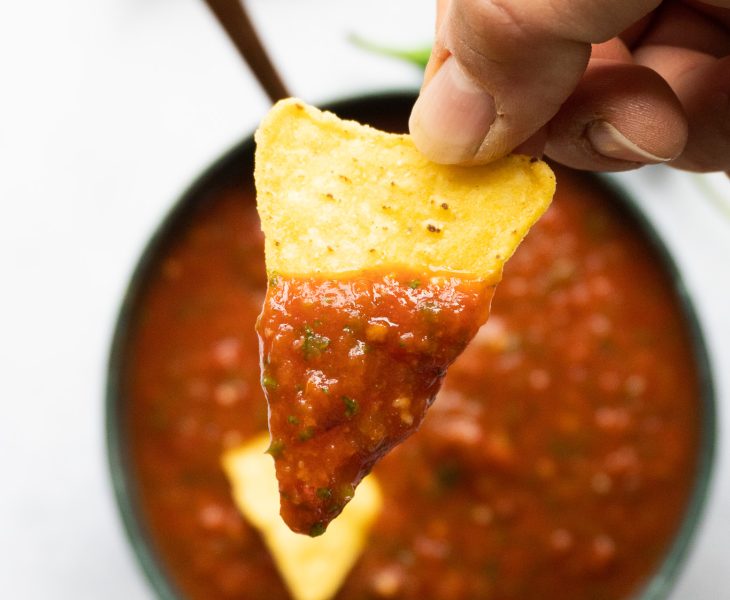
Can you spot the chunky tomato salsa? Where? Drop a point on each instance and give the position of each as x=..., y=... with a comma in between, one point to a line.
x=556, y=462
x=349, y=368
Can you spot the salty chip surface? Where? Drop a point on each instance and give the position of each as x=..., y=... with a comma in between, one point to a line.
x=381, y=269
x=312, y=568
x=335, y=196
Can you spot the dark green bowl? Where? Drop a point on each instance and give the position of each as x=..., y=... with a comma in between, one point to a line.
x=235, y=167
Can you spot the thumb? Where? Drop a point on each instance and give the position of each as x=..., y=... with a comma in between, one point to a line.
x=501, y=69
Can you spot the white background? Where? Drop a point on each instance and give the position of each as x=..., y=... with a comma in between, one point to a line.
x=108, y=108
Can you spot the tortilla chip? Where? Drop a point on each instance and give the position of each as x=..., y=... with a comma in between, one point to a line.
x=312, y=568
x=335, y=197
x=381, y=269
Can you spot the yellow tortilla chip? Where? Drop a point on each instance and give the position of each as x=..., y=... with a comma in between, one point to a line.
x=312, y=568
x=335, y=197
x=350, y=374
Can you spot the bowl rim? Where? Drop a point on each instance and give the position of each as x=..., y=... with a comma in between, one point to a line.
x=659, y=583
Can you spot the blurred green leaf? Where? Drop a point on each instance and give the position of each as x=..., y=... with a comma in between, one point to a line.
x=417, y=56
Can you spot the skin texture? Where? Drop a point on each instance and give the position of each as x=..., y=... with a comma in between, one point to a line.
x=604, y=85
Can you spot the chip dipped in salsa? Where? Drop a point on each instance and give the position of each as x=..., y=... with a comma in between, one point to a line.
x=558, y=460
x=350, y=367
x=381, y=267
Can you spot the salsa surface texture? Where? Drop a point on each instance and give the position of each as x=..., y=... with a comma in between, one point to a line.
x=556, y=463
x=349, y=368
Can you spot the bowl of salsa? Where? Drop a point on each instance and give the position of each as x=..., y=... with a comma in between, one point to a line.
x=567, y=456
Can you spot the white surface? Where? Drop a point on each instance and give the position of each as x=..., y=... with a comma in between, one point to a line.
x=108, y=108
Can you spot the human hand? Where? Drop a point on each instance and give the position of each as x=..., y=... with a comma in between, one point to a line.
x=598, y=84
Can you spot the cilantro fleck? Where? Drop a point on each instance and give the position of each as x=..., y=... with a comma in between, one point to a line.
x=346, y=492
x=324, y=493
x=275, y=448
x=448, y=476
x=269, y=382
x=317, y=529
x=334, y=507
x=491, y=569
x=351, y=406
x=429, y=307
x=314, y=344
x=292, y=420
x=415, y=284
x=306, y=434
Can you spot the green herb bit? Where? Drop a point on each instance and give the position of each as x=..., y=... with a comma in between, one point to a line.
x=269, y=382
x=306, y=434
x=314, y=343
x=346, y=492
x=273, y=279
x=276, y=448
x=415, y=284
x=324, y=493
x=448, y=475
x=292, y=420
x=351, y=406
x=429, y=307
x=417, y=56
x=491, y=570
x=334, y=508
x=597, y=225
x=317, y=529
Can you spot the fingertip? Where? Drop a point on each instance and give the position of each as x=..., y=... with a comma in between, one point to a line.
x=451, y=116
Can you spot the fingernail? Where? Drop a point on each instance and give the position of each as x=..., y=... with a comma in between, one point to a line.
x=452, y=116
x=610, y=142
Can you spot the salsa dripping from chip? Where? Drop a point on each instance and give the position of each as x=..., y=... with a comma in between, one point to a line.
x=381, y=269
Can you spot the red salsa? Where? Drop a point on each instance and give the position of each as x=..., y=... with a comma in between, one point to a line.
x=556, y=462
x=349, y=368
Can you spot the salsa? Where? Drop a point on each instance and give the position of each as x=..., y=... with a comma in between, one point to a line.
x=556, y=462
x=349, y=368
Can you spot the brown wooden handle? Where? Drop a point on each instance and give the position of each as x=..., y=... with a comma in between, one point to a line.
x=234, y=19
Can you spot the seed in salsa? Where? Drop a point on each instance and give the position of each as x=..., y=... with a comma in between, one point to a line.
x=349, y=368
